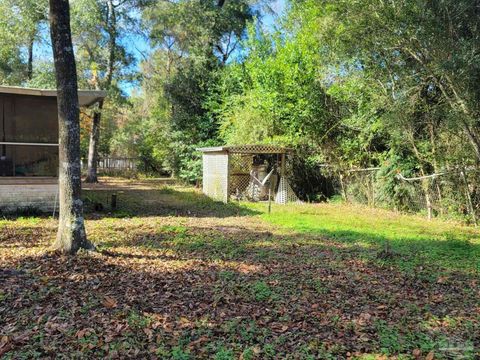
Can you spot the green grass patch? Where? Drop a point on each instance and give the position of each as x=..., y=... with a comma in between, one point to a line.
x=414, y=241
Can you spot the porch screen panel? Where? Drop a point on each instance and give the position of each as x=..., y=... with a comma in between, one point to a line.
x=30, y=161
x=27, y=122
x=34, y=120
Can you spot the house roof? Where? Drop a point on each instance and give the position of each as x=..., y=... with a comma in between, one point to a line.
x=248, y=149
x=85, y=97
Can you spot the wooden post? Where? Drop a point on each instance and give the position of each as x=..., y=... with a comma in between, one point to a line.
x=269, y=200
x=373, y=188
x=270, y=196
x=114, y=202
x=344, y=191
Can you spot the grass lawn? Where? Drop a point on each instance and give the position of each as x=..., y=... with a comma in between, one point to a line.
x=178, y=276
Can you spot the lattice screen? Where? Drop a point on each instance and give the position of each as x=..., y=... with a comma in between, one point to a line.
x=285, y=192
x=246, y=172
x=240, y=167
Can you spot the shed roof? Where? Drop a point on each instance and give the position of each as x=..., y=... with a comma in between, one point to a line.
x=248, y=149
x=85, y=97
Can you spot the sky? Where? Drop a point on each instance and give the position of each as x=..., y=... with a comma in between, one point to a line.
x=278, y=6
x=140, y=47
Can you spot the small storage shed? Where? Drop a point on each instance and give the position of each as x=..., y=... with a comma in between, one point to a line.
x=29, y=146
x=246, y=171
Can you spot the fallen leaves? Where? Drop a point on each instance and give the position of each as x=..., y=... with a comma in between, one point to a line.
x=5, y=344
x=170, y=283
x=109, y=302
x=416, y=353
x=80, y=334
x=364, y=319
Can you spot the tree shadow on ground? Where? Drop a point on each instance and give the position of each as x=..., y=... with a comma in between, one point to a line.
x=158, y=202
x=232, y=242
x=203, y=290
x=207, y=286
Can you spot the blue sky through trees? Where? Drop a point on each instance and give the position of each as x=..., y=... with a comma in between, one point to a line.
x=138, y=44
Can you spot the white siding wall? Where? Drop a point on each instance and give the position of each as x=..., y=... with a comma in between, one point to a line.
x=37, y=196
x=215, y=175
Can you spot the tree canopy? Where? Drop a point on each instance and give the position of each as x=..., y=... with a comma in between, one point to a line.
x=346, y=83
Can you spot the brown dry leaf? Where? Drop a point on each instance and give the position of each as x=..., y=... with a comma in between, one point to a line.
x=430, y=356
x=417, y=352
x=4, y=340
x=442, y=280
x=364, y=318
x=109, y=302
x=81, y=333
x=200, y=340
x=5, y=348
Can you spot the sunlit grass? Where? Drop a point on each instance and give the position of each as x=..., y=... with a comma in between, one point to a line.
x=417, y=241
x=192, y=276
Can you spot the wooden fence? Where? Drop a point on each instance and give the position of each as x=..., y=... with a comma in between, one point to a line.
x=115, y=164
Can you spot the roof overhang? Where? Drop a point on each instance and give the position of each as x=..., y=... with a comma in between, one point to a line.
x=85, y=97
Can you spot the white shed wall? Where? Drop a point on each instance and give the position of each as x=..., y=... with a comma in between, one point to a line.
x=215, y=175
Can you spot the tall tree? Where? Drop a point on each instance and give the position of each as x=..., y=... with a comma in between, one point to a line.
x=193, y=41
x=19, y=30
x=34, y=13
x=103, y=57
x=71, y=234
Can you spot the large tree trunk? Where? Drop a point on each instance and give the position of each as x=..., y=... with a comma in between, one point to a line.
x=71, y=234
x=93, y=146
x=92, y=176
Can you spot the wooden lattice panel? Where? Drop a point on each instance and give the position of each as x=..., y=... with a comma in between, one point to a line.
x=285, y=193
x=256, y=149
x=240, y=168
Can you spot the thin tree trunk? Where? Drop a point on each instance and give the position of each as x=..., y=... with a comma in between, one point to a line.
x=471, y=209
x=71, y=234
x=472, y=133
x=436, y=168
x=30, y=59
x=424, y=182
x=92, y=176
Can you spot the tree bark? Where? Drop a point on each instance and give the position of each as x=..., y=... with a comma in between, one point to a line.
x=92, y=176
x=424, y=182
x=30, y=59
x=71, y=235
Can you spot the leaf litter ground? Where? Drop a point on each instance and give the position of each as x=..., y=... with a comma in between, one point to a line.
x=178, y=276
